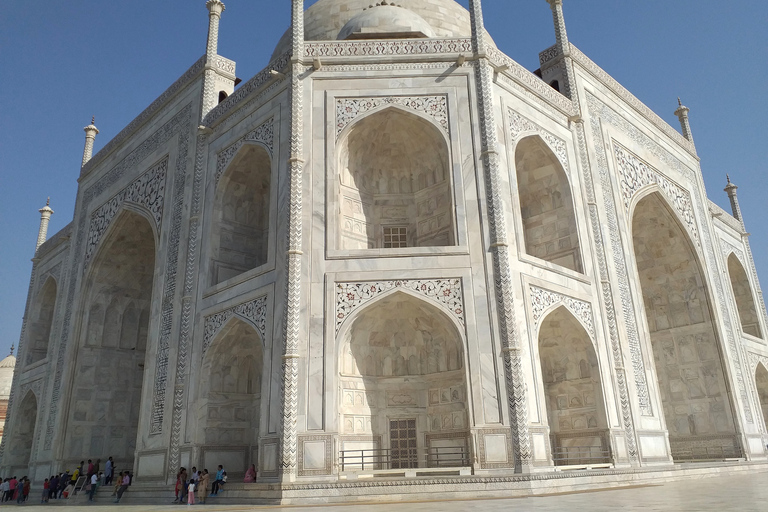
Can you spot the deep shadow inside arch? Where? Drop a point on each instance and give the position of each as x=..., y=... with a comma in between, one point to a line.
x=573, y=390
x=403, y=389
x=395, y=186
x=18, y=449
x=230, y=406
x=745, y=299
x=761, y=381
x=687, y=356
x=42, y=322
x=109, y=368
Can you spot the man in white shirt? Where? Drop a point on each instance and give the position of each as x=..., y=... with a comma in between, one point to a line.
x=94, y=483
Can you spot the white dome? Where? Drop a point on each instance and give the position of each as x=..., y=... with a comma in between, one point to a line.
x=324, y=20
x=6, y=376
x=386, y=21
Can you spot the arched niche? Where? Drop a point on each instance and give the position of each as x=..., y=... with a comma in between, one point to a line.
x=403, y=386
x=240, y=228
x=108, y=372
x=573, y=391
x=395, y=186
x=745, y=299
x=18, y=449
x=40, y=330
x=761, y=382
x=546, y=205
x=686, y=351
x=230, y=404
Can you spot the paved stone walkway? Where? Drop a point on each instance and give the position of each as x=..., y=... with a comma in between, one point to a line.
x=742, y=493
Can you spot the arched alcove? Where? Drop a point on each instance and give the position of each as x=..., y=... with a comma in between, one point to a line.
x=395, y=186
x=403, y=387
x=745, y=299
x=18, y=449
x=573, y=391
x=105, y=398
x=230, y=404
x=686, y=351
x=40, y=330
x=546, y=205
x=240, y=228
x=761, y=382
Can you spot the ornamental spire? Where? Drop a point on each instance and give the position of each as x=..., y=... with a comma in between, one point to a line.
x=215, y=8
x=730, y=189
x=685, y=125
x=90, y=136
x=45, y=217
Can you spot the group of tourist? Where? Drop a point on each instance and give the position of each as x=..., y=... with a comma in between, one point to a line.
x=197, y=481
x=14, y=489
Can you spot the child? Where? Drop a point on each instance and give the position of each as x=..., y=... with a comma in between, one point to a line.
x=46, y=490
x=191, y=492
x=223, y=481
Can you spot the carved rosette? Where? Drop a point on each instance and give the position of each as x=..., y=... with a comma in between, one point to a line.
x=263, y=134
x=347, y=109
x=542, y=300
x=254, y=311
x=446, y=292
x=519, y=125
x=636, y=174
x=148, y=191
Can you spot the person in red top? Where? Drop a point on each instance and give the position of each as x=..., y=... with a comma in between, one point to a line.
x=46, y=489
x=25, y=489
x=12, y=487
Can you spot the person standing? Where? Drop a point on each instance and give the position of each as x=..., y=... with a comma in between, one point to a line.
x=109, y=471
x=94, y=483
x=191, y=492
x=25, y=489
x=46, y=491
x=203, y=482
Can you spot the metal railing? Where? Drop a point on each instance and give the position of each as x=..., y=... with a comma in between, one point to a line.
x=580, y=455
x=384, y=458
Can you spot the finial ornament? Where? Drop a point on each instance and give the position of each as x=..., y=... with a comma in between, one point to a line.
x=728, y=177
x=93, y=120
x=12, y=347
x=679, y=103
x=48, y=201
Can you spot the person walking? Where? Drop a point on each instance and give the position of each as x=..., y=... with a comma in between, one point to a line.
x=108, y=471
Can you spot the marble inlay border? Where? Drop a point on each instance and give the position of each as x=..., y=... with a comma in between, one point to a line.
x=254, y=311
x=519, y=124
x=147, y=191
x=542, y=300
x=347, y=109
x=446, y=292
x=727, y=248
x=636, y=174
x=387, y=47
x=263, y=134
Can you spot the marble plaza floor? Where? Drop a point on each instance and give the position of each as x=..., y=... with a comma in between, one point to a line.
x=740, y=492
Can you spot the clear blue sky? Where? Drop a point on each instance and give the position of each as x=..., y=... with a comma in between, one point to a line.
x=64, y=61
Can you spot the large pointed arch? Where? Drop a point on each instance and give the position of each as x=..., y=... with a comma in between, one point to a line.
x=573, y=391
x=108, y=370
x=42, y=322
x=230, y=405
x=761, y=382
x=403, y=396
x=18, y=451
x=688, y=360
x=745, y=299
x=546, y=205
x=240, y=227
x=394, y=183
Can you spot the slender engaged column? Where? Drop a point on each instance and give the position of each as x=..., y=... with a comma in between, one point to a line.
x=685, y=123
x=45, y=217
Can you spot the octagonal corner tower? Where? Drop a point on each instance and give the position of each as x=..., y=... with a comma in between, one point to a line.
x=394, y=253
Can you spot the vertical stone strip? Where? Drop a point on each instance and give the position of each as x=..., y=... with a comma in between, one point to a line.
x=215, y=8
x=515, y=383
x=290, y=365
x=90, y=136
x=45, y=217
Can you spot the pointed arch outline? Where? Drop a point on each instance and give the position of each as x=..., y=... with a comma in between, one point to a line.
x=445, y=293
x=47, y=278
x=263, y=136
x=358, y=109
x=145, y=195
x=545, y=302
x=253, y=312
x=752, y=295
x=520, y=128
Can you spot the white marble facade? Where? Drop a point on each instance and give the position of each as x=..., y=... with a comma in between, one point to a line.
x=387, y=247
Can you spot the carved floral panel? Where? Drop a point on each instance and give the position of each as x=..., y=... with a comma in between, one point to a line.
x=347, y=109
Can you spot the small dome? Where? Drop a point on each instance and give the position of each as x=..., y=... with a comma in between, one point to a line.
x=6, y=376
x=386, y=22
x=8, y=362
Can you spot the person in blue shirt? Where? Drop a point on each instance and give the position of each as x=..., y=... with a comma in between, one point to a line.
x=218, y=481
